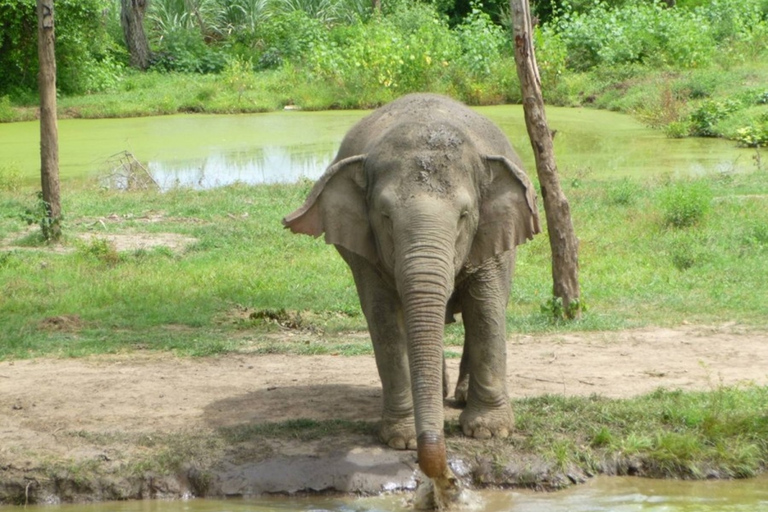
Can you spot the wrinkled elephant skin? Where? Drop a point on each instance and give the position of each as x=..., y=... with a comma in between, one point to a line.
x=426, y=201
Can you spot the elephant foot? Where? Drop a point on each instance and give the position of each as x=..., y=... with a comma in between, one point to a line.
x=399, y=433
x=485, y=423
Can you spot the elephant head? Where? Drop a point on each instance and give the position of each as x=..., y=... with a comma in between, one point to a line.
x=424, y=198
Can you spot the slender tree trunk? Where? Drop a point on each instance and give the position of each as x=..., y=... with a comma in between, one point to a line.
x=132, y=20
x=562, y=238
x=49, y=132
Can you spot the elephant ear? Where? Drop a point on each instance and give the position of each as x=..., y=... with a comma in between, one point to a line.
x=336, y=206
x=508, y=212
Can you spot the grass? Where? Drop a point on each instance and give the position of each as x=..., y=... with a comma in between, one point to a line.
x=720, y=100
x=651, y=254
x=664, y=434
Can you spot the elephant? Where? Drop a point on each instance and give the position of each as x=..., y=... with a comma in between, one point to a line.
x=426, y=202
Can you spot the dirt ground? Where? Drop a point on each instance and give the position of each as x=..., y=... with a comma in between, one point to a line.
x=59, y=417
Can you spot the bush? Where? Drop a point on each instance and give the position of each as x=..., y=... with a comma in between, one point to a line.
x=685, y=204
x=753, y=136
x=87, y=59
x=185, y=50
x=704, y=119
x=405, y=51
x=651, y=33
x=482, y=42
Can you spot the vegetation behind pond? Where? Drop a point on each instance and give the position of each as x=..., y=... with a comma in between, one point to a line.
x=698, y=68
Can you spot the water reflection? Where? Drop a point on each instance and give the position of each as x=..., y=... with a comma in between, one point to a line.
x=257, y=165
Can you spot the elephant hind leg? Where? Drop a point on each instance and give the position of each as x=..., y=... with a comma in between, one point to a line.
x=462, y=385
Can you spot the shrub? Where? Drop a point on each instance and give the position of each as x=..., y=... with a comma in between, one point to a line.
x=482, y=42
x=753, y=136
x=100, y=249
x=704, y=119
x=677, y=129
x=185, y=50
x=87, y=59
x=405, y=51
x=684, y=204
x=279, y=40
x=650, y=33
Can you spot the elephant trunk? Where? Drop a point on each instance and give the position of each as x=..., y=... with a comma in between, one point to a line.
x=426, y=278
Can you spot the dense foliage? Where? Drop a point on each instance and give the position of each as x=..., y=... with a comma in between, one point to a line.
x=351, y=56
x=87, y=56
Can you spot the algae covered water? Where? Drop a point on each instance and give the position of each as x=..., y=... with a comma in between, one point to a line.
x=608, y=494
x=204, y=151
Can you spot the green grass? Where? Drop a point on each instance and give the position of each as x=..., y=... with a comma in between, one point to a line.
x=718, y=100
x=670, y=434
x=666, y=433
x=637, y=268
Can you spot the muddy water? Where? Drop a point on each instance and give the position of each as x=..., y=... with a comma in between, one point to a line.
x=211, y=150
x=601, y=494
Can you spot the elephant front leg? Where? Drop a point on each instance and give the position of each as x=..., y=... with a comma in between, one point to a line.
x=383, y=313
x=484, y=303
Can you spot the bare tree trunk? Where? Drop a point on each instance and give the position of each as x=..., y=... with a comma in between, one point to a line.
x=376, y=5
x=132, y=20
x=562, y=238
x=49, y=131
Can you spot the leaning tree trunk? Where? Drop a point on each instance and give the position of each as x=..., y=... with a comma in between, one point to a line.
x=562, y=238
x=49, y=131
x=132, y=20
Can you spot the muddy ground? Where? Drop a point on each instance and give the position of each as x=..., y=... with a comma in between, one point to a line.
x=109, y=427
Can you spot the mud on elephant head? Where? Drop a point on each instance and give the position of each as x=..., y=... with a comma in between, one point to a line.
x=426, y=201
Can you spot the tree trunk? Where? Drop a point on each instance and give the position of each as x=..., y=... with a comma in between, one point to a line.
x=49, y=132
x=132, y=20
x=562, y=238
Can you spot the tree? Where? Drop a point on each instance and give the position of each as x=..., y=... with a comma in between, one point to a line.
x=562, y=237
x=132, y=20
x=49, y=131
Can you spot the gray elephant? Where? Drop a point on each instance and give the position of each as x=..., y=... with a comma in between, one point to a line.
x=426, y=201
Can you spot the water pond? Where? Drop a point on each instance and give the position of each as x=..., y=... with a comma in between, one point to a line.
x=608, y=494
x=212, y=150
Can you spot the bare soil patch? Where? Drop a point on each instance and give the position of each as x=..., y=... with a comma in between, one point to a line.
x=109, y=417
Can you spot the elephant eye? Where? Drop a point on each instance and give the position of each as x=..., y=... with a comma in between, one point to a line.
x=464, y=214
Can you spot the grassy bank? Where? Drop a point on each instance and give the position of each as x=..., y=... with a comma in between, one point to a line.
x=697, y=69
x=716, y=101
x=205, y=272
